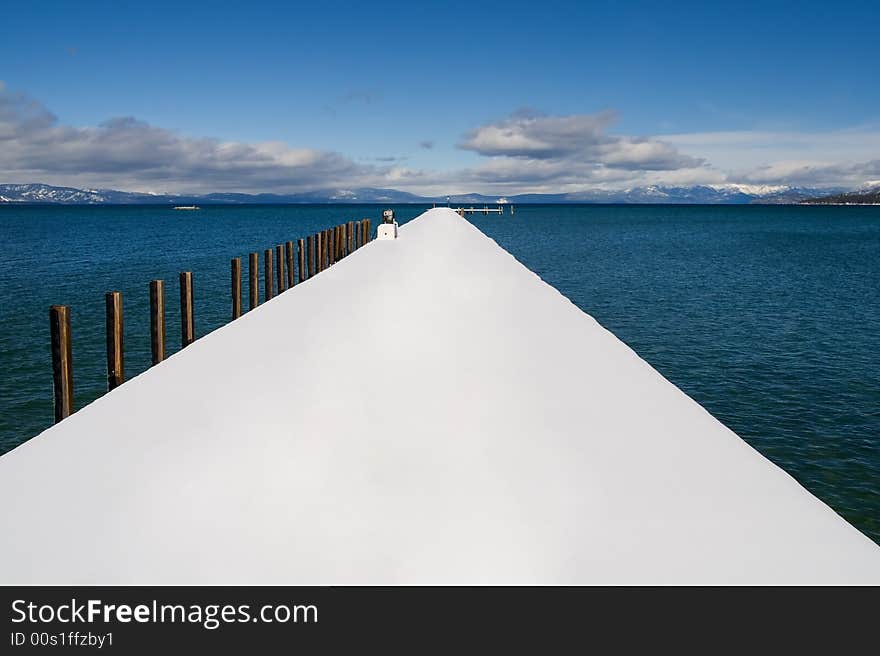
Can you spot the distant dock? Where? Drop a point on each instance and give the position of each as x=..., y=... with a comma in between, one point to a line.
x=461, y=211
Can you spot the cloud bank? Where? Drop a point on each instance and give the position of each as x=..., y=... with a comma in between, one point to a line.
x=580, y=139
x=539, y=153
x=525, y=152
x=131, y=154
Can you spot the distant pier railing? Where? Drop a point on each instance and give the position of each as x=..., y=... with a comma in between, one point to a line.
x=295, y=261
x=482, y=210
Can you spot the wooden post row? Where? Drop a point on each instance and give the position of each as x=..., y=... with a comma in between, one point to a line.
x=62, y=360
x=288, y=248
x=268, y=276
x=157, y=320
x=300, y=259
x=187, y=321
x=279, y=268
x=115, y=352
x=236, y=287
x=254, y=276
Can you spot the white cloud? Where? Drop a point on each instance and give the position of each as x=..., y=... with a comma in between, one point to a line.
x=535, y=153
x=134, y=155
x=844, y=157
x=580, y=138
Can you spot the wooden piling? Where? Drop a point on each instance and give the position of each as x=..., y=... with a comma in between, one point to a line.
x=62, y=360
x=187, y=321
x=288, y=249
x=115, y=353
x=300, y=259
x=317, y=252
x=357, y=235
x=279, y=268
x=350, y=237
x=316, y=238
x=310, y=243
x=157, y=320
x=236, y=287
x=324, y=248
x=331, y=247
x=254, y=276
x=268, y=276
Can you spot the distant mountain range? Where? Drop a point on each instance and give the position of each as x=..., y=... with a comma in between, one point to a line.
x=720, y=194
x=43, y=193
x=867, y=196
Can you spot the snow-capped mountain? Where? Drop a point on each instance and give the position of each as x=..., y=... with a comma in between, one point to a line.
x=698, y=194
x=41, y=193
x=867, y=194
x=714, y=194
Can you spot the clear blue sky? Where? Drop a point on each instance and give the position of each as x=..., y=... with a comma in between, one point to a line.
x=375, y=80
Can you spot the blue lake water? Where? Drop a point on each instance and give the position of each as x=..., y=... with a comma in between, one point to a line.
x=767, y=316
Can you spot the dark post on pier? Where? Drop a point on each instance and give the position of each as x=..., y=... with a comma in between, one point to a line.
x=300, y=259
x=62, y=360
x=115, y=364
x=187, y=321
x=316, y=248
x=331, y=246
x=311, y=245
x=157, y=320
x=268, y=276
x=288, y=249
x=279, y=268
x=254, y=275
x=236, y=287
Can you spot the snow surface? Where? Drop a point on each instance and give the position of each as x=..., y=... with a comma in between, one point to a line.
x=425, y=411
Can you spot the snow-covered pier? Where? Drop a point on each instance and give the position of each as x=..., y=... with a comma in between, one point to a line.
x=425, y=411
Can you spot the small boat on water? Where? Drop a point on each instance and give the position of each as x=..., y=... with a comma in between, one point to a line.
x=186, y=207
